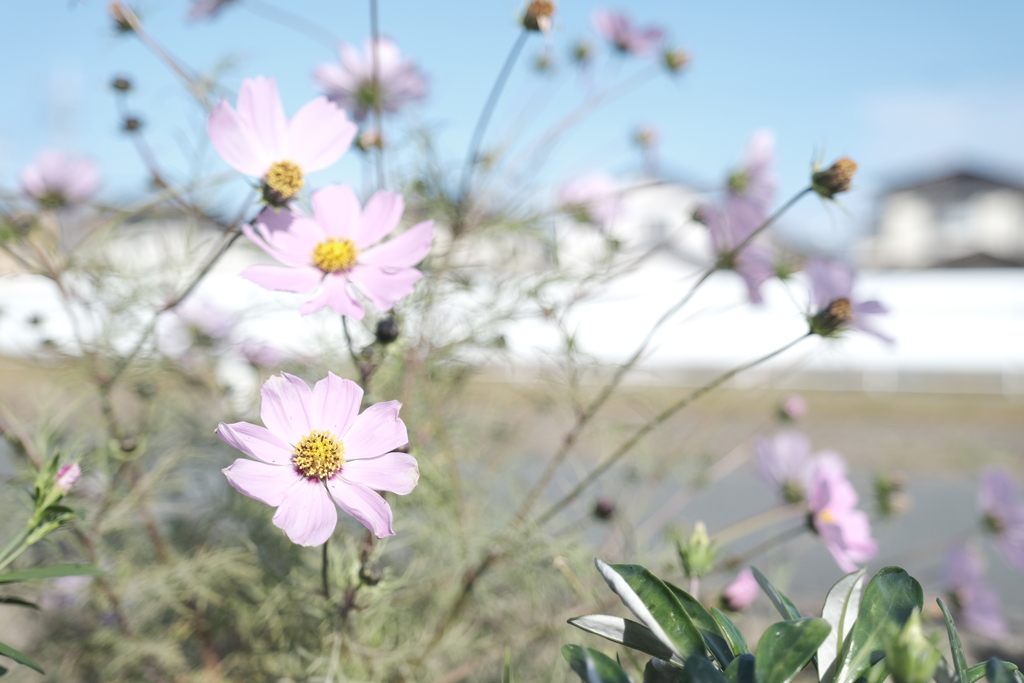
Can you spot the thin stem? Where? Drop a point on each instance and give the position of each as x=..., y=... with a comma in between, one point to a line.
x=777, y=539
x=14, y=548
x=378, y=92
x=756, y=523
x=771, y=219
x=488, y=110
x=323, y=571
x=632, y=441
x=293, y=21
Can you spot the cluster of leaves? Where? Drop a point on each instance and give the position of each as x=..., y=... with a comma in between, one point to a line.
x=861, y=636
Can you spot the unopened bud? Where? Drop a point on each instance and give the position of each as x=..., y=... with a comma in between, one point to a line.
x=832, y=318
x=121, y=84
x=604, y=509
x=675, y=59
x=387, y=330
x=697, y=553
x=67, y=476
x=369, y=139
x=911, y=657
x=120, y=14
x=646, y=137
x=582, y=53
x=793, y=407
x=834, y=179
x=538, y=15
x=131, y=124
x=543, y=62
x=128, y=443
x=891, y=497
x=371, y=573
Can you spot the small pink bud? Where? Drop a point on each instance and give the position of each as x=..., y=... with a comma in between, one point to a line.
x=67, y=476
x=794, y=407
x=742, y=592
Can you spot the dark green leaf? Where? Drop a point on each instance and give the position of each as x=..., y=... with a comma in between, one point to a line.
x=786, y=647
x=9, y=600
x=977, y=672
x=741, y=669
x=19, y=657
x=714, y=639
x=625, y=632
x=660, y=671
x=655, y=605
x=785, y=606
x=959, y=659
x=889, y=599
x=53, y=572
x=732, y=634
x=998, y=671
x=593, y=666
x=840, y=611
x=701, y=670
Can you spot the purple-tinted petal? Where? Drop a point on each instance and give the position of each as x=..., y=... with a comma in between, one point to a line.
x=384, y=287
x=380, y=217
x=334, y=292
x=365, y=505
x=261, y=241
x=783, y=459
x=285, y=407
x=306, y=513
x=319, y=134
x=395, y=472
x=266, y=483
x=260, y=106
x=284, y=278
x=274, y=219
x=235, y=142
x=336, y=208
x=997, y=494
x=376, y=431
x=742, y=592
x=255, y=441
x=830, y=280
x=870, y=307
x=335, y=403
x=403, y=251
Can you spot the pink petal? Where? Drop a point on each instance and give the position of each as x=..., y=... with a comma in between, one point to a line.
x=255, y=441
x=319, y=134
x=273, y=219
x=384, y=288
x=403, y=251
x=235, y=143
x=336, y=403
x=368, y=507
x=285, y=407
x=284, y=278
x=265, y=483
x=337, y=210
x=260, y=105
x=306, y=513
x=380, y=217
x=261, y=241
x=335, y=293
x=395, y=472
x=376, y=431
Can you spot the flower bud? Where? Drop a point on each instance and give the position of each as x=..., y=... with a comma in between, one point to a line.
x=911, y=657
x=646, y=137
x=131, y=124
x=120, y=14
x=67, y=476
x=371, y=573
x=834, y=179
x=793, y=407
x=121, y=84
x=697, y=553
x=833, y=318
x=538, y=15
x=604, y=509
x=369, y=139
x=582, y=53
x=675, y=59
x=387, y=330
x=891, y=497
x=543, y=63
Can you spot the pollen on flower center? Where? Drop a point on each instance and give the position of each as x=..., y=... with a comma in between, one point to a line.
x=335, y=254
x=318, y=455
x=826, y=517
x=284, y=178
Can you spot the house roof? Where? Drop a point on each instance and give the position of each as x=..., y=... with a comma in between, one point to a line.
x=958, y=183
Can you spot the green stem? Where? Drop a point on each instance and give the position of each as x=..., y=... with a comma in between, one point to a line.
x=778, y=539
x=771, y=219
x=14, y=548
x=379, y=93
x=323, y=571
x=756, y=523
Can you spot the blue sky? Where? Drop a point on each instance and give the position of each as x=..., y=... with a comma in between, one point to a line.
x=908, y=89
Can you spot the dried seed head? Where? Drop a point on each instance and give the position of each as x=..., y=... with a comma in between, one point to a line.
x=834, y=179
x=538, y=15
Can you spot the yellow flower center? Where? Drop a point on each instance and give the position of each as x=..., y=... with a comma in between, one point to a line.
x=826, y=517
x=335, y=254
x=285, y=178
x=319, y=454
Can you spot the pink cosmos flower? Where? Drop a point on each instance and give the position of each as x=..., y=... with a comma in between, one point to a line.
x=67, y=476
x=843, y=528
x=591, y=198
x=793, y=407
x=1002, y=512
x=201, y=9
x=785, y=462
x=316, y=448
x=618, y=29
x=741, y=593
x=351, y=85
x=337, y=247
x=258, y=140
x=55, y=179
x=832, y=297
x=963, y=573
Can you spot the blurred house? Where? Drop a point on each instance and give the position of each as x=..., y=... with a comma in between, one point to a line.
x=964, y=219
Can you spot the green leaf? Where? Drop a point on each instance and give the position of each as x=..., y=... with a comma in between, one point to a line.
x=732, y=634
x=959, y=659
x=701, y=670
x=655, y=605
x=660, y=671
x=890, y=598
x=625, y=632
x=593, y=666
x=713, y=637
x=786, y=647
x=53, y=572
x=741, y=669
x=977, y=672
x=19, y=657
x=9, y=600
x=785, y=606
x=998, y=671
x=840, y=611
